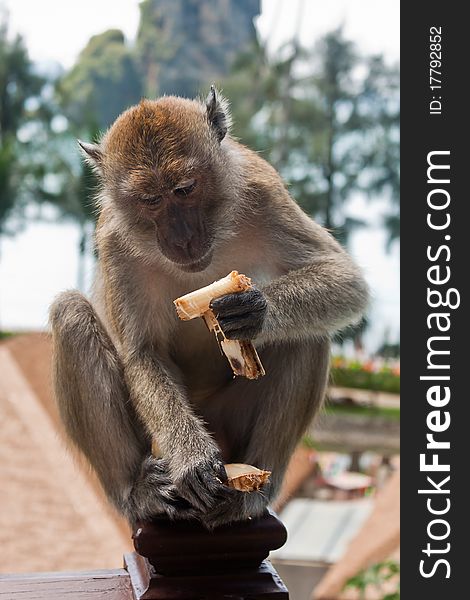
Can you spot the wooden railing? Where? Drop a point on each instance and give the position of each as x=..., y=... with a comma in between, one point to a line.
x=174, y=561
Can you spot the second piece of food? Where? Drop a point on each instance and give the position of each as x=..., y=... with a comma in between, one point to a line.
x=241, y=355
x=245, y=478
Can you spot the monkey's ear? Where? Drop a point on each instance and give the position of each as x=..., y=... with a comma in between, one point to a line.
x=93, y=154
x=218, y=113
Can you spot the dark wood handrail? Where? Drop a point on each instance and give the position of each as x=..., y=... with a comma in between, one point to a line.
x=183, y=560
x=175, y=561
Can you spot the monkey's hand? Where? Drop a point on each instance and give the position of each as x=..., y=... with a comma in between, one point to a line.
x=200, y=479
x=241, y=315
x=233, y=505
x=154, y=493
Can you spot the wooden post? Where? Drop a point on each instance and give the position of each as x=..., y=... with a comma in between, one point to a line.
x=176, y=560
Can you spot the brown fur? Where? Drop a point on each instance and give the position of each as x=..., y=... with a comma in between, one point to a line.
x=133, y=372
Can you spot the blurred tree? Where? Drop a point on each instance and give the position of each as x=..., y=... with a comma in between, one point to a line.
x=247, y=87
x=68, y=184
x=18, y=85
x=7, y=194
x=102, y=83
x=182, y=45
x=328, y=119
x=19, y=90
x=76, y=204
x=389, y=350
x=378, y=107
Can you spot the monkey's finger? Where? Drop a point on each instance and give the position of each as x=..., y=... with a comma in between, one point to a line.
x=240, y=303
x=243, y=334
x=229, y=508
x=180, y=509
x=251, y=300
x=197, y=489
x=200, y=485
x=178, y=502
x=220, y=472
x=238, y=322
x=198, y=495
x=246, y=327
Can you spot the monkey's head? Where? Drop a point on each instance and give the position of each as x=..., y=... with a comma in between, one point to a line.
x=163, y=166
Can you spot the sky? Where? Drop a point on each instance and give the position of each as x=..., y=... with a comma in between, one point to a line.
x=41, y=260
x=58, y=29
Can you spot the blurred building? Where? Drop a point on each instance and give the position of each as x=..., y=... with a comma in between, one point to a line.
x=331, y=541
x=53, y=514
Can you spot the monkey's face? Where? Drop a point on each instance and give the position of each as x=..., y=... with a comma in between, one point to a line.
x=183, y=228
x=162, y=165
x=178, y=203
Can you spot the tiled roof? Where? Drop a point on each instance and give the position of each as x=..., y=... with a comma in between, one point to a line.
x=52, y=514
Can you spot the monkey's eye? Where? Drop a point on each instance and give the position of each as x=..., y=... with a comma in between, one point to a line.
x=185, y=188
x=152, y=201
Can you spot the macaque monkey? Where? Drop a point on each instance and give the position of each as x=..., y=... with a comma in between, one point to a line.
x=181, y=205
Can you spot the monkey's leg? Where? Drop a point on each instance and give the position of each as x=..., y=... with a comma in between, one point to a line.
x=94, y=406
x=264, y=420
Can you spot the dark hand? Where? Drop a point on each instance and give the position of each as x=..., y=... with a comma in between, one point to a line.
x=233, y=505
x=201, y=482
x=241, y=315
x=154, y=493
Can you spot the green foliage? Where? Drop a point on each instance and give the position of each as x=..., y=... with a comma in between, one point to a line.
x=380, y=382
x=328, y=119
x=103, y=82
x=376, y=412
x=18, y=86
x=7, y=197
x=389, y=350
x=246, y=88
x=308, y=442
x=355, y=374
x=375, y=577
x=184, y=45
x=17, y=82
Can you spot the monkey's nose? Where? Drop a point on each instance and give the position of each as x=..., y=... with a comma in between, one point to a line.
x=188, y=247
x=184, y=243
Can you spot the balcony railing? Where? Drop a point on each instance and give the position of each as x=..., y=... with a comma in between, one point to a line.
x=173, y=561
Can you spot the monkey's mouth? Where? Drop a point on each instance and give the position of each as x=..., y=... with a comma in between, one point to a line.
x=189, y=253
x=197, y=265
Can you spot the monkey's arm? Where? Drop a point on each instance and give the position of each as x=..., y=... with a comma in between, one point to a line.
x=194, y=459
x=321, y=292
x=93, y=403
x=320, y=298
x=154, y=382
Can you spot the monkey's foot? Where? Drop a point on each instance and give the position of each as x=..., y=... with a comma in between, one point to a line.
x=235, y=506
x=155, y=494
x=202, y=483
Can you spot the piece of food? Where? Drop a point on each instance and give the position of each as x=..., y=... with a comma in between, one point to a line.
x=196, y=303
x=241, y=355
x=245, y=478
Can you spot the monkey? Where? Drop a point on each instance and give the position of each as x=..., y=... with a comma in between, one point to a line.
x=181, y=203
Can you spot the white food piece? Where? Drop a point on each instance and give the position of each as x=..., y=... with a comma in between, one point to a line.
x=196, y=303
x=241, y=355
x=245, y=478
